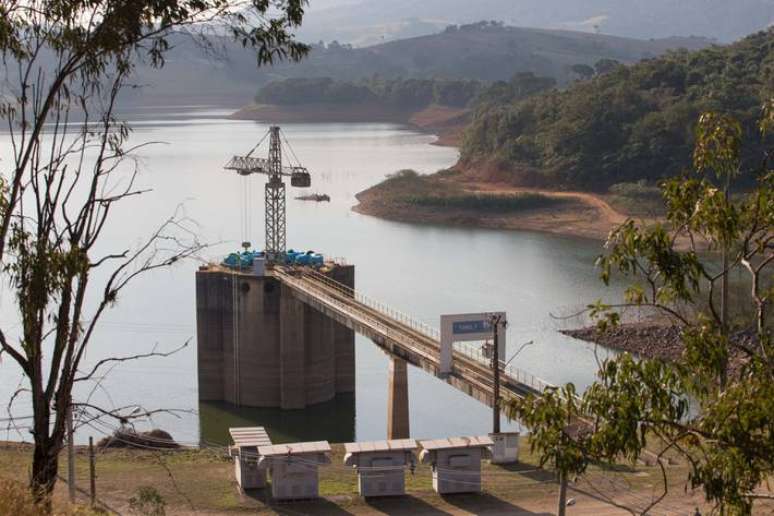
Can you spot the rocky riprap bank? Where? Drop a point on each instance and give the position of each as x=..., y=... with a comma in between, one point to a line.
x=655, y=341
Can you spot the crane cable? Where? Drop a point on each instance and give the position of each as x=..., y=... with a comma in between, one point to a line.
x=292, y=153
x=257, y=145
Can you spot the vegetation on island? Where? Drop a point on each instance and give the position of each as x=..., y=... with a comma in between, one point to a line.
x=409, y=189
x=399, y=94
x=622, y=124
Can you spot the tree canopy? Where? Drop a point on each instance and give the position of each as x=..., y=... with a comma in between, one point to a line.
x=627, y=122
x=396, y=93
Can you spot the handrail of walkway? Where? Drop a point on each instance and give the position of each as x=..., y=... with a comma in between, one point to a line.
x=394, y=314
x=470, y=351
x=365, y=318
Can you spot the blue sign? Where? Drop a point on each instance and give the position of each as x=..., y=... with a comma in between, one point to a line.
x=463, y=327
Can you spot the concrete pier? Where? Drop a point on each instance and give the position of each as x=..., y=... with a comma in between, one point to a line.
x=259, y=346
x=398, y=400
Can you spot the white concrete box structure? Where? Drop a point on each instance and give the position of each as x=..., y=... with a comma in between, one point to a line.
x=249, y=475
x=506, y=448
x=294, y=468
x=456, y=462
x=381, y=465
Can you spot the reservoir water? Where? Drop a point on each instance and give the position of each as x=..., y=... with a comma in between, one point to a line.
x=422, y=270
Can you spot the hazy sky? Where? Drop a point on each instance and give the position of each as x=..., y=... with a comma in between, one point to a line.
x=361, y=21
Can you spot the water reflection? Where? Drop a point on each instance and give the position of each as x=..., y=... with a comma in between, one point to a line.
x=332, y=421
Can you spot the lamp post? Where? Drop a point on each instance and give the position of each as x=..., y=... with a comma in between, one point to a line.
x=496, y=321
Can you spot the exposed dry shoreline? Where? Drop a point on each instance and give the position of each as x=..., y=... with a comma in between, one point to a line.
x=580, y=215
x=648, y=340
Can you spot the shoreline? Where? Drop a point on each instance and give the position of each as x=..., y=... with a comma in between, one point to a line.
x=581, y=215
x=650, y=340
x=444, y=122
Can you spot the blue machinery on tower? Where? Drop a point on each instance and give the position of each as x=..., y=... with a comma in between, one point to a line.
x=271, y=166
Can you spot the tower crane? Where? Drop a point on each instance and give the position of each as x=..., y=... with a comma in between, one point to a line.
x=271, y=166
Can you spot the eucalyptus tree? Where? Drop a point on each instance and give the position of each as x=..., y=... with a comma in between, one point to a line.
x=719, y=420
x=64, y=66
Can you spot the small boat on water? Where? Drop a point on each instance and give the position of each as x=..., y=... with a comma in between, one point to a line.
x=315, y=197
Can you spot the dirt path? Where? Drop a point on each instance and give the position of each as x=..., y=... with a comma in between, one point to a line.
x=610, y=215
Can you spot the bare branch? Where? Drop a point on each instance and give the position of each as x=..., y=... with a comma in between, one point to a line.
x=132, y=357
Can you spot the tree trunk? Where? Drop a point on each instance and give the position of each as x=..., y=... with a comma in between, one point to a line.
x=45, y=457
x=45, y=466
x=562, y=506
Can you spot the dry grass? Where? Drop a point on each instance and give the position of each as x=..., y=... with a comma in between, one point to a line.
x=16, y=500
x=203, y=481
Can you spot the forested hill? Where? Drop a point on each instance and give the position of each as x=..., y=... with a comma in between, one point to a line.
x=625, y=124
x=482, y=51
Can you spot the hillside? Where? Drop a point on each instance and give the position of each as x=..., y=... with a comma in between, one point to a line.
x=631, y=123
x=483, y=51
x=479, y=51
x=364, y=22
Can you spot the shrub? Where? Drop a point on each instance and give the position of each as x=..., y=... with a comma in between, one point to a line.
x=148, y=501
x=16, y=500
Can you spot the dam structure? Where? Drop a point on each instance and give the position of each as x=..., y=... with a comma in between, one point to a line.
x=284, y=337
x=259, y=345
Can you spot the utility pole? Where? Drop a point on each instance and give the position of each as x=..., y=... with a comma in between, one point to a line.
x=496, y=321
x=70, y=452
x=92, y=473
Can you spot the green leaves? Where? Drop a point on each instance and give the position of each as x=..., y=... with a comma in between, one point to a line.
x=556, y=433
x=719, y=419
x=718, y=145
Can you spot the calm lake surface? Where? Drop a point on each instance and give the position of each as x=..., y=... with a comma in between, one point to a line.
x=422, y=270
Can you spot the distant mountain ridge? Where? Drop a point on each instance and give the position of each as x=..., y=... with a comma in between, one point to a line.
x=482, y=51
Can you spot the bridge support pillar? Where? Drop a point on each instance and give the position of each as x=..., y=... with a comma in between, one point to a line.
x=398, y=401
x=292, y=346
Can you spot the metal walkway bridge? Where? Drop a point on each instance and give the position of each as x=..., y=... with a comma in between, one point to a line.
x=403, y=337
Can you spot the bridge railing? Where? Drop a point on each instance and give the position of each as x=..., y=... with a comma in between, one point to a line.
x=365, y=317
x=384, y=309
x=471, y=351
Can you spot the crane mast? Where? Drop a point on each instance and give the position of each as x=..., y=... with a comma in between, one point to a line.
x=276, y=223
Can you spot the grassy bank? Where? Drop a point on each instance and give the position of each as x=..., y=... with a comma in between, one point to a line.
x=188, y=481
x=408, y=188
x=486, y=203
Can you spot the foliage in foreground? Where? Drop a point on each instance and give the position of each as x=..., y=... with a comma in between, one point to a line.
x=64, y=64
x=726, y=431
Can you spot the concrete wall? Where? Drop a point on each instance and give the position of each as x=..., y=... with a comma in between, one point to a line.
x=209, y=328
x=259, y=346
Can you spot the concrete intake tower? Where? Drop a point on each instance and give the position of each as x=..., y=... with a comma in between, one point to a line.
x=260, y=346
